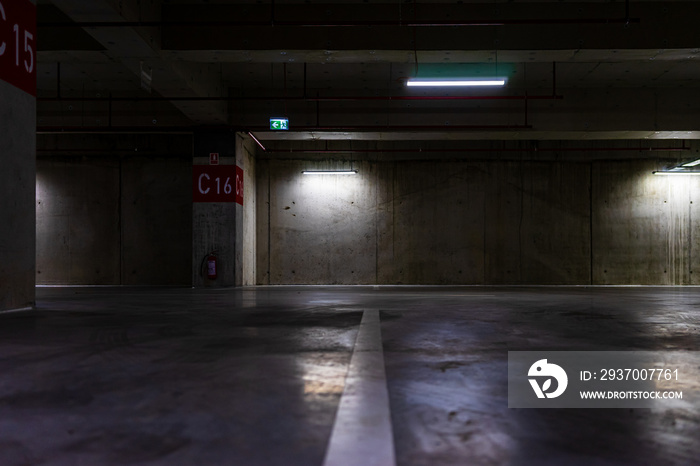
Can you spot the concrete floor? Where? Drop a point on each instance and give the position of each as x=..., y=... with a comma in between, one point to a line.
x=101, y=376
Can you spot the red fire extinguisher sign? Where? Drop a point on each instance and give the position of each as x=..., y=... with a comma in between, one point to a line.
x=211, y=267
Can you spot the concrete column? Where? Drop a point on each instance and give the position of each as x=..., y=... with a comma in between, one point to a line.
x=246, y=151
x=216, y=226
x=18, y=173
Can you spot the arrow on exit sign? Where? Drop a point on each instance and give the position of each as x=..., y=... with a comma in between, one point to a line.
x=279, y=123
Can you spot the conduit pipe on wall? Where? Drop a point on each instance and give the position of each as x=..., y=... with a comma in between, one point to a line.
x=488, y=149
x=368, y=128
x=190, y=129
x=308, y=99
x=390, y=151
x=116, y=129
x=334, y=24
x=101, y=149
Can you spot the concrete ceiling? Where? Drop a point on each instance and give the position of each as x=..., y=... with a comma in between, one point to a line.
x=337, y=69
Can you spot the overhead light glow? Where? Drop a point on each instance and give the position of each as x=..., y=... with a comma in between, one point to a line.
x=455, y=82
x=329, y=172
x=679, y=172
x=692, y=164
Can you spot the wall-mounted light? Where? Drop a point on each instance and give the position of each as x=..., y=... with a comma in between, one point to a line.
x=681, y=169
x=677, y=172
x=329, y=172
x=455, y=82
x=692, y=164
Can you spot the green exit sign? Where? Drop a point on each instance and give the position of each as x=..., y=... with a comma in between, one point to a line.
x=279, y=123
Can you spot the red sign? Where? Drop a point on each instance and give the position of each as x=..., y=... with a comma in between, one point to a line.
x=18, y=44
x=217, y=183
x=214, y=158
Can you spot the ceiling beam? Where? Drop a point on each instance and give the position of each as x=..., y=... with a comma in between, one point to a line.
x=139, y=51
x=434, y=26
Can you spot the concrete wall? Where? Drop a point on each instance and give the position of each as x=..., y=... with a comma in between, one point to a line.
x=246, y=150
x=476, y=222
x=113, y=220
x=321, y=229
x=646, y=229
x=77, y=221
x=17, y=232
x=156, y=222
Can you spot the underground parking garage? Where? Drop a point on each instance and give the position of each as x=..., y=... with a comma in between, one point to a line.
x=339, y=233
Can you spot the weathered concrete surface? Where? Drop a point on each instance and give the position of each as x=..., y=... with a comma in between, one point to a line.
x=245, y=158
x=110, y=220
x=428, y=223
x=435, y=212
x=182, y=377
x=470, y=221
x=694, y=230
x=77, y=221
x=537, y=223
x=17, y=190
x=262, y=224
x=445, y=357
x=642, y=225
x=214, y=224
x=477, y=221
x=156, y=224
x=321, y=226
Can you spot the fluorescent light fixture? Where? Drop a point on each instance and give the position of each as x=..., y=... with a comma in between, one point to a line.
x=329, y=172
x=692, y=164
x=455, y=82
x=679, y=172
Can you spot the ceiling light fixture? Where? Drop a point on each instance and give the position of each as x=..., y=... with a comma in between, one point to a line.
x=684, y=169
x=692, y=164
x=455, y=82
x=329, y=172
x=678, y=172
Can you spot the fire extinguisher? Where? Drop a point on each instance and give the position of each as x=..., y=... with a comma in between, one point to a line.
x=210, y=262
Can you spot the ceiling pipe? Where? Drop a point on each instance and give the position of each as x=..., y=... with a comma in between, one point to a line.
x=115, y=130
x=369, y=128
x=299, y=99
x=390, y=151
x=488, y=149
x=332, y=24
x=101, y=149
x=247, y=129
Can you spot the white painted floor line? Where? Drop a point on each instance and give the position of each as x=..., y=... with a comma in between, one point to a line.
x=362, y=433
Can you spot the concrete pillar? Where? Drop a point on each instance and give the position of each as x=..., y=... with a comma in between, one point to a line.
x=216, y=220
x=246, y=152
x=18, y=156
